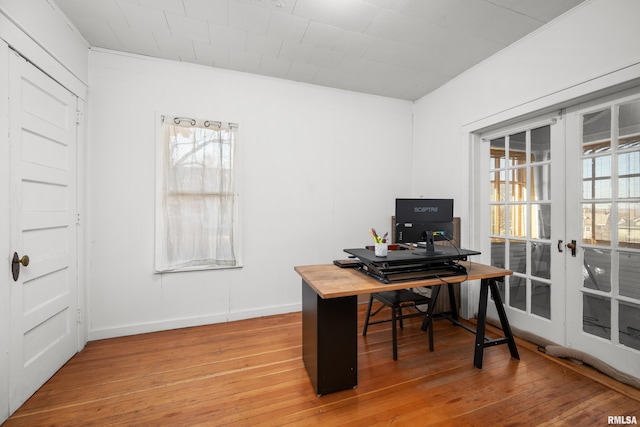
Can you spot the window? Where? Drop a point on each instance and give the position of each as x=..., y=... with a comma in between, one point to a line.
x=197, y=202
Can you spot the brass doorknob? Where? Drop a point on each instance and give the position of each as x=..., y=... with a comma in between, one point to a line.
x=15, y=265
x=573, y=246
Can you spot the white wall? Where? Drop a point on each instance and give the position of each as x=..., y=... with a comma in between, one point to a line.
x=587, y=49
x=319, y=168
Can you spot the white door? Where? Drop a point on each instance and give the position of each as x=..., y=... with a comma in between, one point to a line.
x=603, y=199
x=523, y=170
x=42, y=137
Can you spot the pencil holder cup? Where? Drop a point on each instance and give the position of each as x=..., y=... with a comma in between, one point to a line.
x=381, y=249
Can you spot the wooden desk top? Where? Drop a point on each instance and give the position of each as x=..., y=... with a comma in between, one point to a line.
x=330, y=281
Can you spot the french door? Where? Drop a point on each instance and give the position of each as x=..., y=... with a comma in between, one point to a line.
x=603, y=199
x=523, y=168
x=562, y=211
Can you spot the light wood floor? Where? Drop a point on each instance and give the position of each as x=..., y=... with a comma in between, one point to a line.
x=250, y=373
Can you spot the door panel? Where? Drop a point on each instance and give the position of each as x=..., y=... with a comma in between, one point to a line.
x=42, y=128
x=603, y=142
x=526, y=211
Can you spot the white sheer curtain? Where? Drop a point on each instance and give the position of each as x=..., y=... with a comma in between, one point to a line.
x=196, y=206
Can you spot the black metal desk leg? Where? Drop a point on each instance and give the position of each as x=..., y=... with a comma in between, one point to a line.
x=428, y=319
x=482, y=317
x=504, y=322
x=452, y=301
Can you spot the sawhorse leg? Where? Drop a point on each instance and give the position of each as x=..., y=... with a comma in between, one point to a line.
x=453, y=305
x=487, y=285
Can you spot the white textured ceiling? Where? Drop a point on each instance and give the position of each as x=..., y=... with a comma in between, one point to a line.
x=396, y=48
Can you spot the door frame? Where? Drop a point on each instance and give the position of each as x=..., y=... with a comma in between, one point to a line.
x=36, y=55
x=5, y=235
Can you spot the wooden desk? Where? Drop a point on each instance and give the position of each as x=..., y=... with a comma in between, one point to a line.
x=329, y=318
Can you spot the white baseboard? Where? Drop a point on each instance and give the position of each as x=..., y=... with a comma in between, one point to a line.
x=264, y=311
x=164, y=325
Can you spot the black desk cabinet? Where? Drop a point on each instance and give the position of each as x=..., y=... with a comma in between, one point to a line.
x=329, y=337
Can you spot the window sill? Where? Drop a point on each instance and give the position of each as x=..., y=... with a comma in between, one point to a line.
x=198, y=268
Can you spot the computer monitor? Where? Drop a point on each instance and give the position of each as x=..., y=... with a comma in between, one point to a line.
x=424, y=220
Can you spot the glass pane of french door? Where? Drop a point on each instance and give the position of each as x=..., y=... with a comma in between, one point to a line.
x=523, y=213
